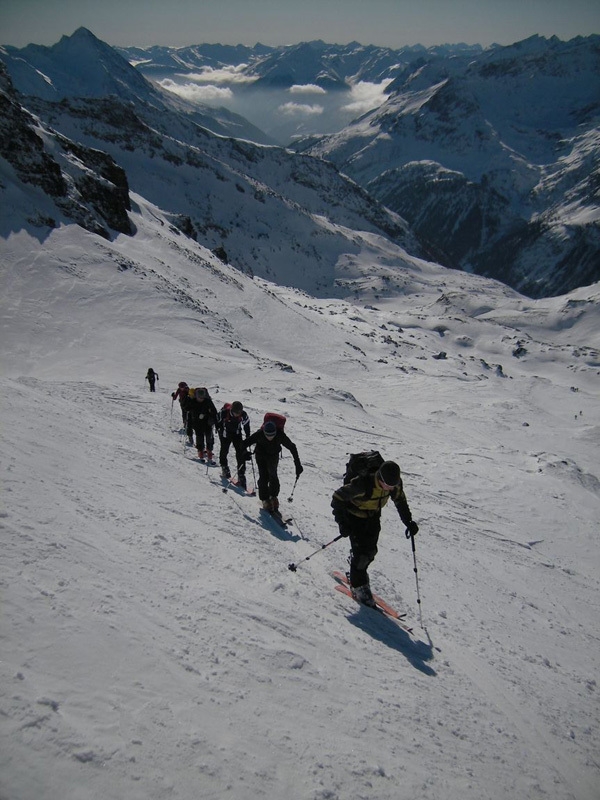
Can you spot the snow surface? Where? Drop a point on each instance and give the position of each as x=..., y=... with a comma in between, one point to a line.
x=154, y=642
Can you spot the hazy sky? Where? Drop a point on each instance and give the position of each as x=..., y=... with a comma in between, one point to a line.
x=392, y=23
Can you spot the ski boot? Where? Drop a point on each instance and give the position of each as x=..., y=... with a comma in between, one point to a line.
x=362, y=594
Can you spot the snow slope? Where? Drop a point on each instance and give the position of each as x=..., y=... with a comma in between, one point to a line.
x=155, y=644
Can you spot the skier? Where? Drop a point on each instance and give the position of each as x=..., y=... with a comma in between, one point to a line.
x=233, y=426
x=151, y=377
x=203, y=415
x=357, y=510
x=182, y=394
x=268, y=441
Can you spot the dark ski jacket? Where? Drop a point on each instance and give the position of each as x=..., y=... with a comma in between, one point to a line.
x=181, y=394
x=267, y=449
x=363, y=497
x=230, y=427
x=202, y=412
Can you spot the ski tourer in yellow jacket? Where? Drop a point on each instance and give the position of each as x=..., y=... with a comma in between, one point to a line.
x=357, y=510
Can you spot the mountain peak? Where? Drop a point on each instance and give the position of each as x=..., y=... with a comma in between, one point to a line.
x=82, y=37
x=82, y=33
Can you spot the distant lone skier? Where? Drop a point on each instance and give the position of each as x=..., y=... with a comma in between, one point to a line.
x=357, y=510
x=151, y=377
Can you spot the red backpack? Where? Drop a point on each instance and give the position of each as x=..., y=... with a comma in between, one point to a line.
x=278, y=419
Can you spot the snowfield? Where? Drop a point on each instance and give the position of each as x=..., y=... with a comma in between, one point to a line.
x=155, y=644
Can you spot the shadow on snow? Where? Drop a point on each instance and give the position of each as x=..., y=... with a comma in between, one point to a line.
x=274, y=528
x=385, y=630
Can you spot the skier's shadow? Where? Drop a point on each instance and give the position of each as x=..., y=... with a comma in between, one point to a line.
x=276, y=530
x=385, y=630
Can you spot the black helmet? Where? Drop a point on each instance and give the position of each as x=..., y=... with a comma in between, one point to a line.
x=269, y=429
x=389, y=473
x=236, y=408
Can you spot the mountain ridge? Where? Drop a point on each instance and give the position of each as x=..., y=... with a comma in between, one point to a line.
x=269, y=211
x=468, y=181
x=511, y=126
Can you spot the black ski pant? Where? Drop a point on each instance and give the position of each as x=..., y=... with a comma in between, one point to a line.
x=240, y=453
x=268, y=481
x=205, y=438
x=364, y=535
x=152, y=389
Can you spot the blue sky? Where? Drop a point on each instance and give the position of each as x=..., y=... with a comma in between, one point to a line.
x=392, y=23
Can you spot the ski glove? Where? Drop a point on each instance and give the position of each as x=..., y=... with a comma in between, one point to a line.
x=340, y=515
x=299, y=469
x=411, y=529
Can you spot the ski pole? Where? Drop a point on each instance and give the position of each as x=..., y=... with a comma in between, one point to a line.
x=186, y=433
x=294, y=567
x=171, y=420
x=291, y=497
x=412, y=541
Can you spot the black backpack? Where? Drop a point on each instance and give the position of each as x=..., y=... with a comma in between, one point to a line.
x=362, y=464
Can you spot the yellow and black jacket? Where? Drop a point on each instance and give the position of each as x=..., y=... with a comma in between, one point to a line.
x=364, y=498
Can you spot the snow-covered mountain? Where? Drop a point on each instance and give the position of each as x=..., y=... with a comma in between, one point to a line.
x=56, y=178
x=492, y=158
x=82, y=65
x=288, y=91
x=316, y=62
x=155, y=643
x=269, y=211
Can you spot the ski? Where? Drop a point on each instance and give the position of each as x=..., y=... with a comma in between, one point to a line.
x=383, y=607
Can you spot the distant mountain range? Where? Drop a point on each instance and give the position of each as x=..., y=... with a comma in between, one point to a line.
x=289, y=91
x=494, y=159
x=484, y=160
x=85, y=156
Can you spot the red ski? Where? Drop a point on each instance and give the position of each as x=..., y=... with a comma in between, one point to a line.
x=382, y=606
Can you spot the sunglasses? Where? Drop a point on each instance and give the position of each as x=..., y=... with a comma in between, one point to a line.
x=388, y=487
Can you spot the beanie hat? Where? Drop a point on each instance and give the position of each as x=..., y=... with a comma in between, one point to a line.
x=389, y=473
x=269, y=428
x=183, y=385
x=236, y=407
